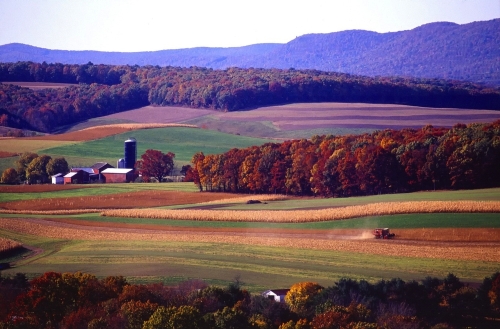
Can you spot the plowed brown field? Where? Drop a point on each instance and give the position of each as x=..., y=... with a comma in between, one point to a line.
x=39, y=188
x=4, y=154
x=127, y=200
x=473, y=251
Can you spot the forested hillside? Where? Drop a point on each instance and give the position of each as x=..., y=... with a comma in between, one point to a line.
x=105, y=89
x=388, y=161
x=467, y=52
x=81, y=300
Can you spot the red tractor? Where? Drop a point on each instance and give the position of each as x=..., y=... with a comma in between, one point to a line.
x=383, y=233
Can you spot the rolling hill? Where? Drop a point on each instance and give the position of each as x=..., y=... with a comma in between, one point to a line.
x=442, y=50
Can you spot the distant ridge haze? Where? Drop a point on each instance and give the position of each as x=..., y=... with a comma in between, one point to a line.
x=469, y=52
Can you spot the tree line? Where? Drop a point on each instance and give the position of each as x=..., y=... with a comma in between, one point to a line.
x=34, y=169
x=385, y=161
x=81, y=300
x=105, y=89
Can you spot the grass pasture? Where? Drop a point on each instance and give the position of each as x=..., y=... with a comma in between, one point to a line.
x=105, y=144
x=183, y=142
x=258, y=266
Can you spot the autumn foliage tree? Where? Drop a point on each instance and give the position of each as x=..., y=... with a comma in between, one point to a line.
x=80, y=300
x=386, y=161
x=183, y=317
x=10, y=176
x=155, y=164
x=300, y=297
x=99, y=90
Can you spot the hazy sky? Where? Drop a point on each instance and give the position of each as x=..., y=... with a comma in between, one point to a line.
x=142, y=25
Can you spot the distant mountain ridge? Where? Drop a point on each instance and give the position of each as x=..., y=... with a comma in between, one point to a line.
x=469, y=52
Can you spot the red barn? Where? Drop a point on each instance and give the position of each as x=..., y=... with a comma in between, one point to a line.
x=76, y=177
x=99, y=167
x=118, y=175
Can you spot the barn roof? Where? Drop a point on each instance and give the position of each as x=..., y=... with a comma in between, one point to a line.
x=117, y=171
x=87, y=169
x=71, y=174
x=277, y=292
x=99, y=165
x=58, y=175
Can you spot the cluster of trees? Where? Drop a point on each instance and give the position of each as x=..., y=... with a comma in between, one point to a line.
x=106, y=89
x=33, y=168
x=154, y=165
x=45, y=110
x=78, y=300
x=387, y=161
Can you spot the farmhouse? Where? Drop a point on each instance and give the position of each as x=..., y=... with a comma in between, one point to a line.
x=277, y=295
x=58, y=179
x=76, y=177
x=118, y=175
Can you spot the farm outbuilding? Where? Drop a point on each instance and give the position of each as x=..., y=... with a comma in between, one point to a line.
x=118, y=175
x=58, y=179
x=76, y=177
x=99, y=167
x=278, y=295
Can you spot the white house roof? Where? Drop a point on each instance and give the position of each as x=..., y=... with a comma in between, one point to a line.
x=71, y=174
x=117, y=171
x=58, y=175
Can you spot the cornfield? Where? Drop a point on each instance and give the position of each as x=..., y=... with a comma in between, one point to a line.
x=7, y=245
x=50, y=212
x=317, y=215
x=135, y=126
x=259, y=197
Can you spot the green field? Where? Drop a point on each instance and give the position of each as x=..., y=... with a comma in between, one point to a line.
x=260, y=268
x=268, y=129
x=406, y=221
x=183, y=142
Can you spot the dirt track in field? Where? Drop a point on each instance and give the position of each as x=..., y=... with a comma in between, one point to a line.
x=325, y=240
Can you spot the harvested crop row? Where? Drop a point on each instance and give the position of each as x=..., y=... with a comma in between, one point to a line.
x=317, y=215
x=135, y=126
x=244, y=199
x=392, y=248
x=50, y=212
x=7, y=245
x=106, y=130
